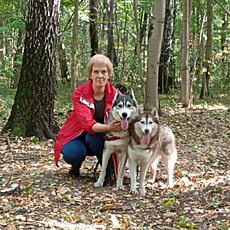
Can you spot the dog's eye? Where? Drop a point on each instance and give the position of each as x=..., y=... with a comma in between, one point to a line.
x=142, y=122
x=150, y=122
x=119, y=106
x=129, y=105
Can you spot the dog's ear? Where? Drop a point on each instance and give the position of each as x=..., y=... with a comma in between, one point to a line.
x=133, y=96
x=154, y=112
x=140, y=110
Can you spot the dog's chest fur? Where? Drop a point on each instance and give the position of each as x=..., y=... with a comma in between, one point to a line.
x=140, y=155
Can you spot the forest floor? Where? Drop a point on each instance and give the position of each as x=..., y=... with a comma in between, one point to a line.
x=35, y=194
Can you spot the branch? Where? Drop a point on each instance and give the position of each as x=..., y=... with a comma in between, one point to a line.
x=222, y=7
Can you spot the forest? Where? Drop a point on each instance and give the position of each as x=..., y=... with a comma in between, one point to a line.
x=173, y=54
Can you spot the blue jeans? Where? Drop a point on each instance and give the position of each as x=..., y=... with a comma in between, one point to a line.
x=75, y=151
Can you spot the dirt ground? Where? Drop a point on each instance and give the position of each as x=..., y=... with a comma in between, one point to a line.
x=35, y=194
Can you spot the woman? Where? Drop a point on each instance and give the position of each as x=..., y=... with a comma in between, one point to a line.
x=82, y=133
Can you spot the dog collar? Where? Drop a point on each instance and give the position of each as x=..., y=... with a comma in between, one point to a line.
x=111, y=138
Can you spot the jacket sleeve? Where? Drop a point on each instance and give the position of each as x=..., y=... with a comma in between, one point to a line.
x=83, y=113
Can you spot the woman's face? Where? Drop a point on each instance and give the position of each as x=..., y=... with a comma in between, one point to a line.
x=99, y=75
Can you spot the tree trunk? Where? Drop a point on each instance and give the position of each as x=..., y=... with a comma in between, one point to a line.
x=63, y=61
x=74, y=61
x=154, y=49
x=166, y=51
x=93, y=26
x=185, y=77
x=138, y=42
x=208, y=53
x=111, y=52
x=32, y=111
x=17, y=60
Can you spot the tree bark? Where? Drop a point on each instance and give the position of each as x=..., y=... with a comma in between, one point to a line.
x=154, y=49
x=32, y=111
x=166, y=50
x=138, y=42
x=185, y=77
x=63, y=62
x=111, y=52
x=17, y=60
x=74, y=62
x=208, y=53
x=93, y=26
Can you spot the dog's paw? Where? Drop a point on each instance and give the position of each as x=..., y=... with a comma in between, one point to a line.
x=120, y=187
x=142, y=192
x=98, y=184
x=170, y=185
x=134, y=192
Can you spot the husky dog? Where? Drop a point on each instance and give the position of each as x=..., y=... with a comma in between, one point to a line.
x=149, y=142
x=124, y=109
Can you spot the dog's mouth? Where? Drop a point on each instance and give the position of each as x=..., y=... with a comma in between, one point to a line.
x=124, y=124
x=145, y=139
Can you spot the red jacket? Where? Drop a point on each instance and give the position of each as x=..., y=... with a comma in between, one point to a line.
x=81, y=118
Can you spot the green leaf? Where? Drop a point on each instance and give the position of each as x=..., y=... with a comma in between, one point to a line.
x=169, y=202
x=184, y=222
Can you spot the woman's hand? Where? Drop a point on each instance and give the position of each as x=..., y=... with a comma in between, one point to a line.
x=114, y=126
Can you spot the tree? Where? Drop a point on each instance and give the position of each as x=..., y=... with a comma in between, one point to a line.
x=165, y=80
x=111, y=52
x=32, y=111
x=138, y=40
x=93, y=6
x=74, y=61
x=185, y=77
x=208, y=51
x=62, y=61
x=154, y=49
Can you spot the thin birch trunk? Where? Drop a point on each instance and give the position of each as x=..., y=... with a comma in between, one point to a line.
x=154, y=50
x=74, y=62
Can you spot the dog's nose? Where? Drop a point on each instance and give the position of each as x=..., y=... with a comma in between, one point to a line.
x=146, y=131
x=124, y=115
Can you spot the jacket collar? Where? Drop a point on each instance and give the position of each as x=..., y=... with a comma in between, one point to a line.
x=87, y=95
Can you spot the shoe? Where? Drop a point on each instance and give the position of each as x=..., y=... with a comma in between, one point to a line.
x=75, y=171
x=109, y=180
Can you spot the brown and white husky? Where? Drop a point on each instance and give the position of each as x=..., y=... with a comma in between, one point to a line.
x=150, y=141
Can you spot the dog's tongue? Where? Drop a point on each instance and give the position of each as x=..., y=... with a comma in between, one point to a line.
x=124, y=124
x=145, y=139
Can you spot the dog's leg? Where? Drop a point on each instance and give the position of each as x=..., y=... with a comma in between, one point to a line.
x=169, y=162
x=153, y=166
x=143, y=172
x=133, y=175
x=105, y=158
x=121, y=170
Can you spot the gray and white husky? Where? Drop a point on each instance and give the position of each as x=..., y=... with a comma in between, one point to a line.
x=149, y=142
x=124, y=109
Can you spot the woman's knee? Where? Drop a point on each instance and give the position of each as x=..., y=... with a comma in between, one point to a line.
x=74, y=152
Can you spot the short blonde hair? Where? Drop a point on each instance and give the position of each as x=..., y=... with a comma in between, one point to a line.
x=99, y=59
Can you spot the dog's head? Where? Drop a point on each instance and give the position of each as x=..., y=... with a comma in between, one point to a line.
x=124, y=108
x=147, y=126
